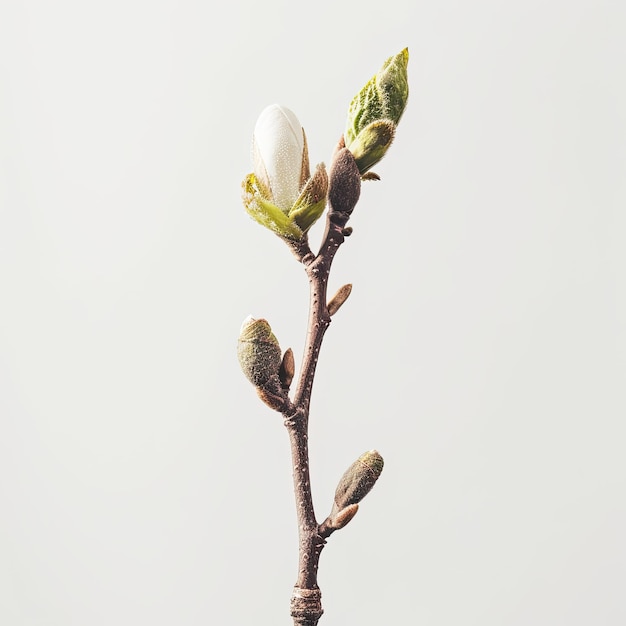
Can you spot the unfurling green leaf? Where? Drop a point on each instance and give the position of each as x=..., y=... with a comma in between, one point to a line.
x=375, y=111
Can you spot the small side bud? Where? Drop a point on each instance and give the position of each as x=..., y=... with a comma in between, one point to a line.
x=344, y=516
x=287, y=369
x=358, y=480
x=354, y=485
x=334, y=304
x=344, y=182
x=258, y=351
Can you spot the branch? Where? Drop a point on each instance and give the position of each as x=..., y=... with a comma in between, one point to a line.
x=344, y=190
x=282, y=195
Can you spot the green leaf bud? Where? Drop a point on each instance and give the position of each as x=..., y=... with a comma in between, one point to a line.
x=258, y=351
x=383, y=98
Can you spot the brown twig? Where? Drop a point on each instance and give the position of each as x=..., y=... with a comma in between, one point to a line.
x=306, y=605
x=373, y=116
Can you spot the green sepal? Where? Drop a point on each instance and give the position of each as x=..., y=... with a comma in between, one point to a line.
x=372, y=143
x=306, y=216
x=266, y=213
x=311, y=202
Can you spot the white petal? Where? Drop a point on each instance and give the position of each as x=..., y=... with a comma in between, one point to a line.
x=279, y=144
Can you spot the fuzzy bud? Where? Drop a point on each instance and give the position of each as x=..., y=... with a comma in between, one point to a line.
x=375, y=111
x=258, y=351
x=345, y=182
x=358, y=480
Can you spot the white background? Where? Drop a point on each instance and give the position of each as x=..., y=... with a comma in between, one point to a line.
x=483, y=349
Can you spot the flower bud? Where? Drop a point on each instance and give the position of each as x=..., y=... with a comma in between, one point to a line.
x=258, y=351
x=279, y=155
x=376, y=110
x=358, y=480
x=281, y=194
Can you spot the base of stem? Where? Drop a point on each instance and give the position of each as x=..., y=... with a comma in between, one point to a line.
x=306, y=606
